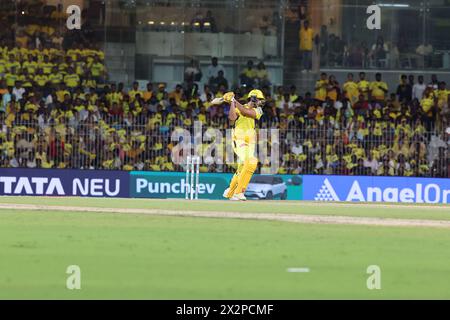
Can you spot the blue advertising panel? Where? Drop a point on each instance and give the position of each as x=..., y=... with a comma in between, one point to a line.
x=376, y=189
x=64, y=182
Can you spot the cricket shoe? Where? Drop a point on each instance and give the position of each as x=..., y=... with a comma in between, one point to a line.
x=226, y=192
x=238, y=197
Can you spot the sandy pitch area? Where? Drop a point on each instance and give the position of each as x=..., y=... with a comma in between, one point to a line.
x=297, y=218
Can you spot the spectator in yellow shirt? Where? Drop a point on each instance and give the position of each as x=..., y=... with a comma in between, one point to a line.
x=114, y=95
x=133, y=92
x=363, y=85
x=351, y=89
x=442, y=95
x=62, y=92
x=55, y=77
x=428, y=102
x=333, y=88
x=11, y=77
x=378, y=89
x=177, y=93
x=30, y=65
x=12, y=63
x=306, y=35
x=89, y=81
x=248, y=75
x=148, y=94
x=98, y=70
x=262, y=75
x=321, y=87
x=71, y=79
x=46, y=65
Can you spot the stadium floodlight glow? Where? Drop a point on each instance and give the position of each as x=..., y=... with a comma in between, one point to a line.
x=151, y=22
x=394, y=5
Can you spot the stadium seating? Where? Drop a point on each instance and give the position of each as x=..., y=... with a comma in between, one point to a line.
x=58, y=110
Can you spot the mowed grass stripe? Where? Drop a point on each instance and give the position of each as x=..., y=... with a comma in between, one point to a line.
x=136, y=256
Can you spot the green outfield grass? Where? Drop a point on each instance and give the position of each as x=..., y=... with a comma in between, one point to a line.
x=430, y=212
x=131, y=256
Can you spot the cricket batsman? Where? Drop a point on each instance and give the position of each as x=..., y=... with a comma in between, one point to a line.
x=244, y=140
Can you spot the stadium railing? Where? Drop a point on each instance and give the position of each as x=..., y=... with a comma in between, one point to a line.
x=405, y=149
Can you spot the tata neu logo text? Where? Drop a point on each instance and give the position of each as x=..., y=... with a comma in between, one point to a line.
x=95, y=187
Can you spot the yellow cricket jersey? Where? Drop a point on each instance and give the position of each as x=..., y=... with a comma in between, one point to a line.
x=427, y=104
x=97, y=68
x=114, y=97
x=26, y=81
x=11, y=79
x=147, y=95
x=306, y=39
x=364, y=87
x=376, y=91
x=249, y=73
x=30, y=66
x=89, y=83
x=72, y=80
x=321, y=90
x=60, y=94
x=14, y=64
x=133, y=93
x=351, y=91
x=332, y=94
x=63, y=66
x=46, y=67
x=41, y=79
x=79, y=67
x=442, y=96
x=55, y=78
x=244, y=127
x=2, y=65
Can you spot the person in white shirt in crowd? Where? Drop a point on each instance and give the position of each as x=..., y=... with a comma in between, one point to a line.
x=434, y=83
x=206, y=93
x=213, y=69
x=297, y=148
x=286, y=104
x=192, y=73
x=18, y=90
x=425, y=51
x=371, y=163
x=418, y=89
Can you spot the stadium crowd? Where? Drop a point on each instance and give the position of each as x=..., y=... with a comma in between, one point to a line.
x=59, y=111
x=356, y=129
